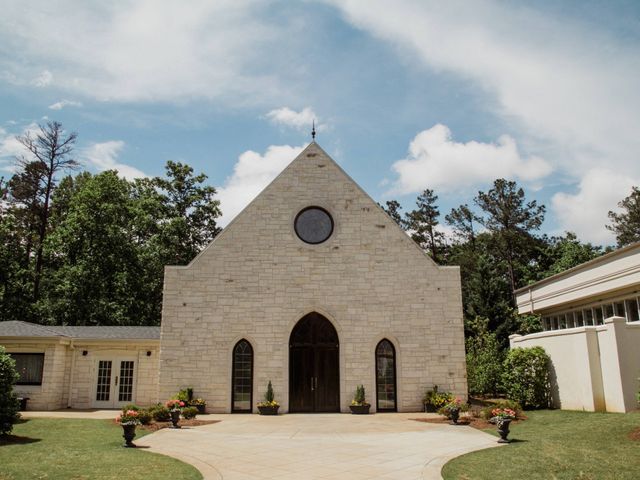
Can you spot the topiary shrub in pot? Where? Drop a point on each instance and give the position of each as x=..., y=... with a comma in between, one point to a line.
x=359, y=404
x=269, y=406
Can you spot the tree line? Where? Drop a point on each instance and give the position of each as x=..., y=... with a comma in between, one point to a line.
x=89, y=249
x=84, y=249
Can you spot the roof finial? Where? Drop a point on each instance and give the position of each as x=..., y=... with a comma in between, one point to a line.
x=313, y=131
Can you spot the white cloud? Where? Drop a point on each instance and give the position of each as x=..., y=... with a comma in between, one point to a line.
x=104, y=156
x=559, y=79
x=64, y=103
x=585, y=212
x=148, y=50
x=43, y=79
x=11, y=148
x=251, y=174
x=436, y=161
x=566, y=85
x=302, y=120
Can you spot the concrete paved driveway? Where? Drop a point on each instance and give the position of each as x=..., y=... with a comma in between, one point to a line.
x=327, y=446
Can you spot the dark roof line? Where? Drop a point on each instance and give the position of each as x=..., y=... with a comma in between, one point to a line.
x=16, y=328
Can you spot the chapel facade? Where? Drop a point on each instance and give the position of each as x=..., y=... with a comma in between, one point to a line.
x=314, y=288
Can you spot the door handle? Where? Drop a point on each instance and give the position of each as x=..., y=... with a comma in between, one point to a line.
x=316, y=382
x=312, y=384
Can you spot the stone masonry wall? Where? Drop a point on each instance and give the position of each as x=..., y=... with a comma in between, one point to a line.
x=257, y=279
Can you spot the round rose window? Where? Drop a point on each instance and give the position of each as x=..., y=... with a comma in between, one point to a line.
x=313, y=225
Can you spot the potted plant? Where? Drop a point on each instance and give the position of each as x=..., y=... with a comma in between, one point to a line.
x=174, y=407
x=435, y=400
x=502, y=418
x=359, y=405
x=128, y=419
x=199, y=403
x=269, y=406
x=452, y=410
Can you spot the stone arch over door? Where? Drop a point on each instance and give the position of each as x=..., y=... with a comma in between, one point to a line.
x=314, y=365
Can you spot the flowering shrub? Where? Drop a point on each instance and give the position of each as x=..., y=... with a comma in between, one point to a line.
x=198, y=401
x=437, y=399
x=503, y=413
x=487, y=412
x=130, y=417
x=174, y=405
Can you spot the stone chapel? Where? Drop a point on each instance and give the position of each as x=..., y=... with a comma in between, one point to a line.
x=314, y=288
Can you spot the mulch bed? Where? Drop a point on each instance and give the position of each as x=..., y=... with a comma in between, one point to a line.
x=194, y=422
x=479, y=423
x=635, y=434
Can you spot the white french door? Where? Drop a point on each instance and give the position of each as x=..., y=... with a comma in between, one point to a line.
x=115, y=382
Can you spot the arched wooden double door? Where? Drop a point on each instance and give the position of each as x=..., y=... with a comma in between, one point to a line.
x=314, y=366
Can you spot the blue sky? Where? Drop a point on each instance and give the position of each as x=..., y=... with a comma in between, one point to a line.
x=408, y=94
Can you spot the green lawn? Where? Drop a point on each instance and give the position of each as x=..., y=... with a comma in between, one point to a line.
x=82, y=450
x=555, y=444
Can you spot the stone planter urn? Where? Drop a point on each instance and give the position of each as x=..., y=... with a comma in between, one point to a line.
x=454, y=415
x=129, y=435
x=268, y=409
x=175, y=418
x=201, y=408
x=360, y=409
x=503, y=429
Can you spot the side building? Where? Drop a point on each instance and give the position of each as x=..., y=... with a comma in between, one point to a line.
x=591, y=320
x=83, y=367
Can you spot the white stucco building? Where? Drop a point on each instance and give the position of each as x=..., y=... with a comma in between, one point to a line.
x=591, y=318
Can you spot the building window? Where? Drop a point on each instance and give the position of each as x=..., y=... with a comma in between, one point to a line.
x=588, y=317
x=29, y=366
x=313, y=225
x=242, y=381
x=385, y=376
x=632, y=310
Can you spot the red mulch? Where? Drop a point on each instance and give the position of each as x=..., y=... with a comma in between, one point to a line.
x=635, y=434
x=194, y=422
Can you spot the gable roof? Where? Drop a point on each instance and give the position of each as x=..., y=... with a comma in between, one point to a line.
x=312, y=150
x=14, y=328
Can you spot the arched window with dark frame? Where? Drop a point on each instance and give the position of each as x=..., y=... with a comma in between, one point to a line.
x=386, y=400
x=242, y=377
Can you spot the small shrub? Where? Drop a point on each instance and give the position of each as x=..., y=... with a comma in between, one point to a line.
x=526, y=377
x=484, y=360
x=9, y=405
x=359, y=398
x=160, y=413
x=144, y=416
x=189, y=412
x=269, y=398
x=183, y=395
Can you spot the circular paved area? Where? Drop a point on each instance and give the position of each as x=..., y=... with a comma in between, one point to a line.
x=327, y=446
